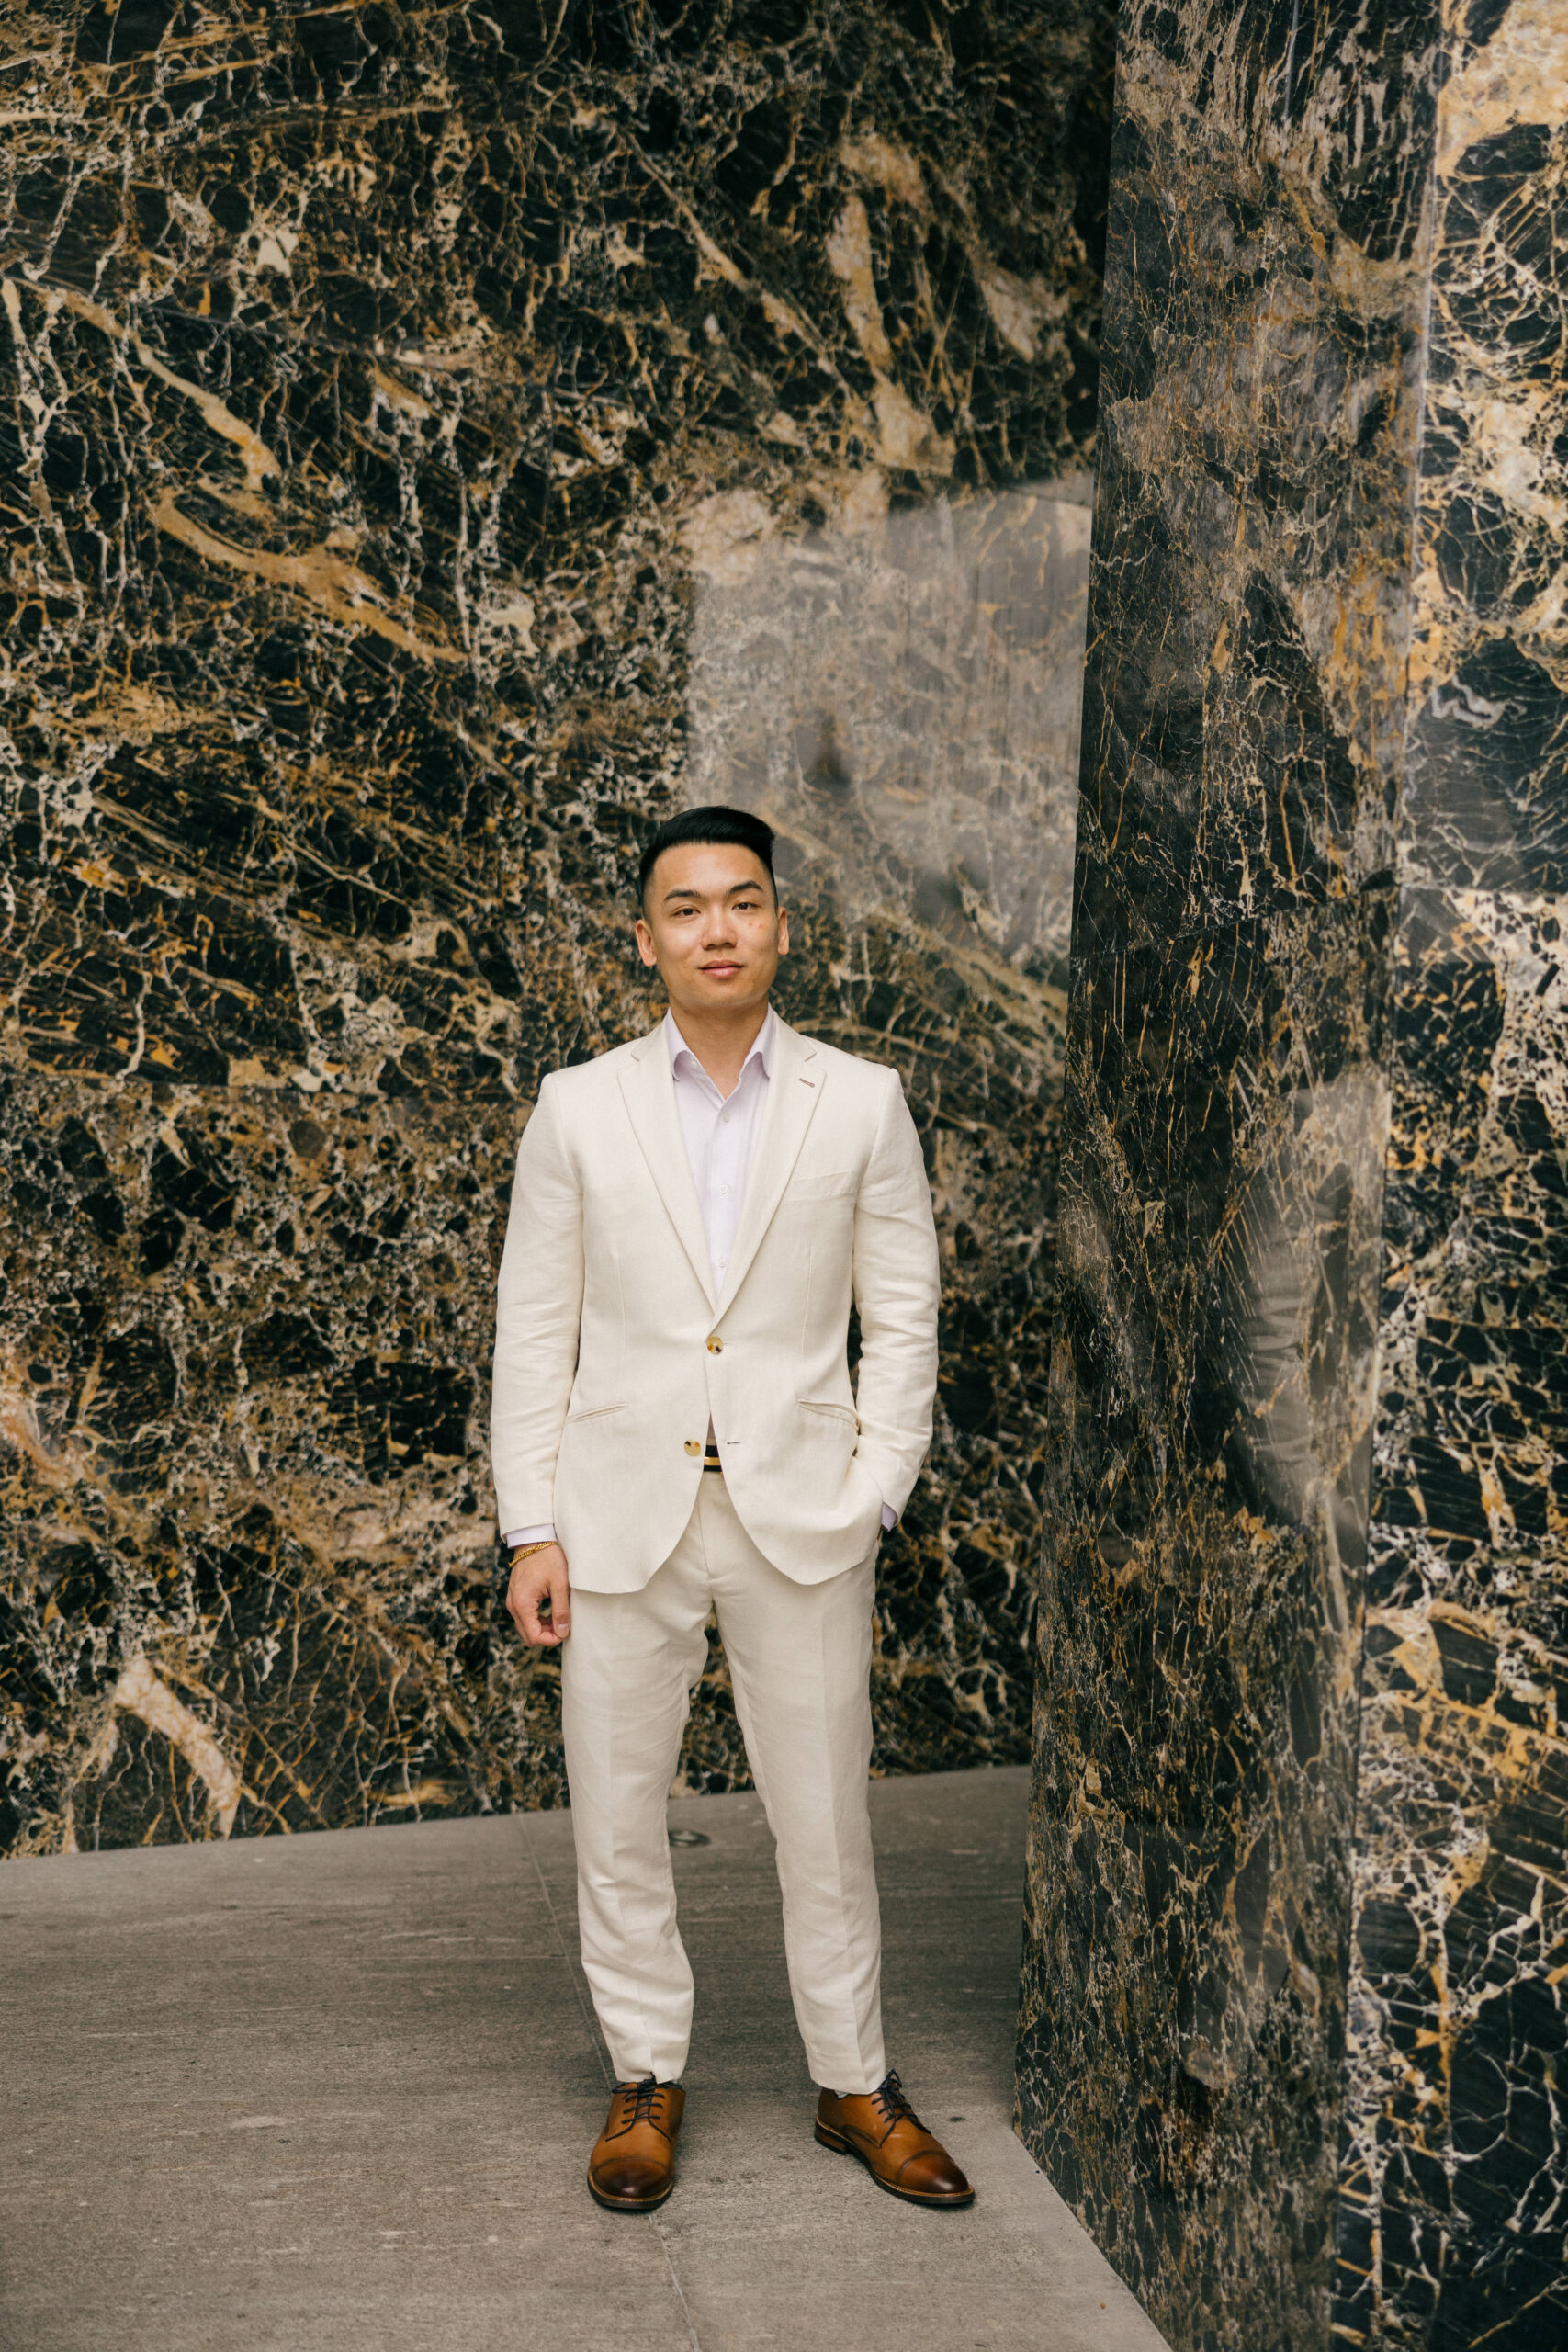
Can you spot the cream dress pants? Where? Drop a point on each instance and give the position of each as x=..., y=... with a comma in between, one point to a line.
x=800, y=1665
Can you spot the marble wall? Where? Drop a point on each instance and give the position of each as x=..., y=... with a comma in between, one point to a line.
x=383, y=389
x=1294, y=2030
x=1453, y=2222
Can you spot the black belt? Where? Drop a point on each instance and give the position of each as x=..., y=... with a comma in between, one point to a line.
x=711, y=1459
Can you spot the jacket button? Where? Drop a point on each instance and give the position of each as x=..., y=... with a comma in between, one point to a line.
x=694, y=1445
x=715, y=1345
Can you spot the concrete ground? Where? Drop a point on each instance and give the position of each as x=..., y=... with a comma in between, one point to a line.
x=336, y=2093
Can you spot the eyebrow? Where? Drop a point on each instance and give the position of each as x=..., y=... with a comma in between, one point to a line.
x=734, y=890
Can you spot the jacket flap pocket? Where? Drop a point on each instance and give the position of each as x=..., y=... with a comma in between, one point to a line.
x=825, y=1184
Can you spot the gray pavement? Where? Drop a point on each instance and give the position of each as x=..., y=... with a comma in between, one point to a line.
x=335, y=2094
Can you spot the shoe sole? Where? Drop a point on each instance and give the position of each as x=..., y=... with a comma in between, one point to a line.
x=827, y=2137
x=629, y=2204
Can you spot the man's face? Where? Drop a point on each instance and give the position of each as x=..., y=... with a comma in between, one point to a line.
x=710, y=924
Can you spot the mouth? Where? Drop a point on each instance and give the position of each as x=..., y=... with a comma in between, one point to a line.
x=720, y=971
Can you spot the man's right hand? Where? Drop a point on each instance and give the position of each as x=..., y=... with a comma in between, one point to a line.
x=538, y=1597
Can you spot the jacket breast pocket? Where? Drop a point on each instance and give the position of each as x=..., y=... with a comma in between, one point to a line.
x=827, y=1184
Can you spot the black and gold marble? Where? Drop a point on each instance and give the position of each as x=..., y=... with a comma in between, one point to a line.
x=1294, y=2028
x=1452, y=2226
x=1183, y=2025
x=376, y=384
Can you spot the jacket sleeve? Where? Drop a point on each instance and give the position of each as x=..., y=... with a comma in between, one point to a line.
x=538, y=1313
x=897, y=1290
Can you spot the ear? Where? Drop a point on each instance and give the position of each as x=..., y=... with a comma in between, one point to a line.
x=644, y=946
x=783, y=931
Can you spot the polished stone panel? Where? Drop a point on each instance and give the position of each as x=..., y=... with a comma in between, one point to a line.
x=1450, y=2224
x=1183, y=2023
x=375, y=387
x=1294, y=2024
x=1451, y=2220
x=901, y=702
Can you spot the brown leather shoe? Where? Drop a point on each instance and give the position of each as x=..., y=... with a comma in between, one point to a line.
x=882, y=2129
x=632, y=2168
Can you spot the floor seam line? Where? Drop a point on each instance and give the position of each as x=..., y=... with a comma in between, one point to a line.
x=675, y=2287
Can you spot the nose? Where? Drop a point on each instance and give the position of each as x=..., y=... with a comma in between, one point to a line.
x=718, y=930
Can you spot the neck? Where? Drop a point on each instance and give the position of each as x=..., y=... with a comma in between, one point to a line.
x=721, y=1038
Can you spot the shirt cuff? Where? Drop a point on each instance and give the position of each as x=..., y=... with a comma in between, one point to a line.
x=889, y=1518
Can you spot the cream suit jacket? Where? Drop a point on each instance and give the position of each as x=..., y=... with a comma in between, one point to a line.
x=612, y=1352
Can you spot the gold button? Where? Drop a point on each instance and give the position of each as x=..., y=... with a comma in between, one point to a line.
x=715, y=1345
x=694, y=1445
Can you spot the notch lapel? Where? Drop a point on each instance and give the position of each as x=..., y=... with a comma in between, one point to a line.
x=647, y=1087
x=794, y=1091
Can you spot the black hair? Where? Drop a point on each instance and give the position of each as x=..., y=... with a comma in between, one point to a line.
x=723, y=827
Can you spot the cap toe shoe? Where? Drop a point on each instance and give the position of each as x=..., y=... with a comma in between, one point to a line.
x=882, y=2131
x=632, y=2168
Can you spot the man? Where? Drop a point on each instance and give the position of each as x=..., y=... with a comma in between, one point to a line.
x=674, y=1430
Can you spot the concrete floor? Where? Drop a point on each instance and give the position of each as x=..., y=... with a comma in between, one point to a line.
x=335, y=2094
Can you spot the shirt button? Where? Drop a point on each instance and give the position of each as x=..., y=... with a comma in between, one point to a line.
x=694, y=1445
x=715, y=1345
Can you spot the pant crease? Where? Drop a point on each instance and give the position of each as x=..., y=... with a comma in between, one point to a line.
x=799, y=1658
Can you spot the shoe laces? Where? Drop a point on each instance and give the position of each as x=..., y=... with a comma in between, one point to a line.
x=642, y=2096
x=892, y=2102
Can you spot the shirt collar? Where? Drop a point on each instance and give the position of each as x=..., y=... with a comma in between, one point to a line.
x=684, y=1063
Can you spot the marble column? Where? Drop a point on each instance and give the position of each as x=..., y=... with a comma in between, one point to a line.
x=1293, y=2037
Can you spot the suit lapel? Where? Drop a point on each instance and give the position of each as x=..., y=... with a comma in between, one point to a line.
x=647, y=1086
x=795, y=1088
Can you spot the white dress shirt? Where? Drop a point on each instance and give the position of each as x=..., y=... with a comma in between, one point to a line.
x=720, y=1134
